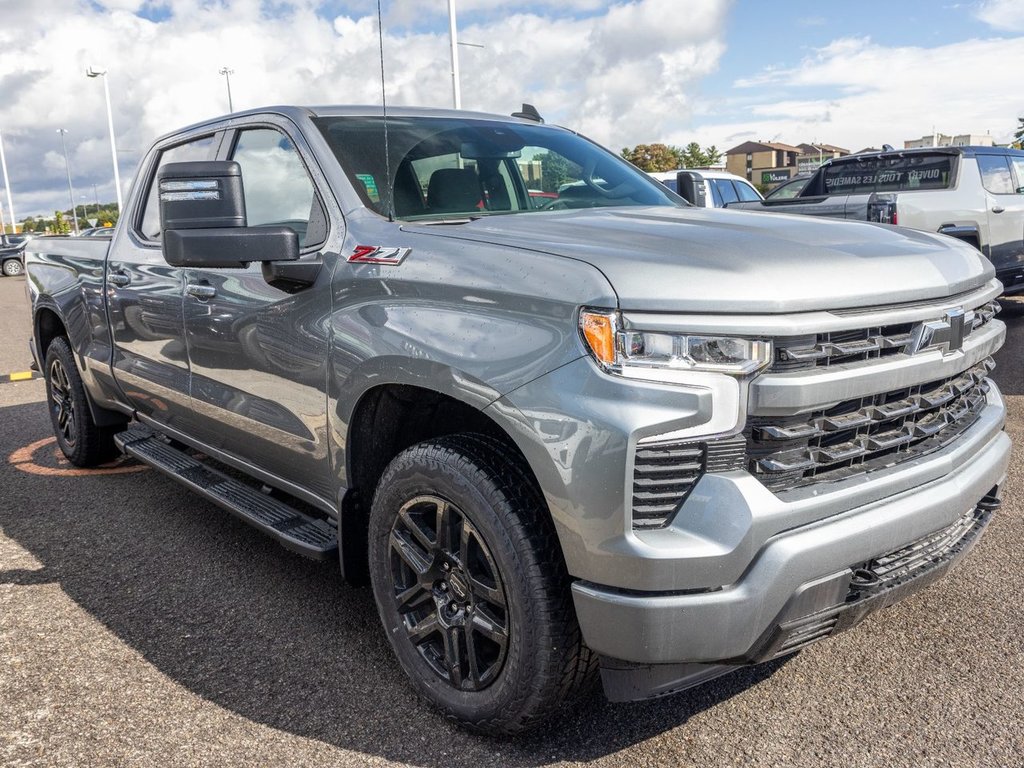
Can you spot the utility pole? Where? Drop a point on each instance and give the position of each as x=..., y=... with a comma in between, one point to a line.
x=454, y=35
x=96, y=72
x=67, y=167
x=7, y=185
x=228, y=72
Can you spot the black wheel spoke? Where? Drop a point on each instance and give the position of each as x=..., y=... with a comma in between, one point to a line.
x=423, y=629
x=472, y=658
x=414, y=528
x=490, y=629
x=453, y=655
x=486, y=592
x=412, y=598
x=419, y=563
x=444, y=525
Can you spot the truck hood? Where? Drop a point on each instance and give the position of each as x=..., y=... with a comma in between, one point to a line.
x=699, y=260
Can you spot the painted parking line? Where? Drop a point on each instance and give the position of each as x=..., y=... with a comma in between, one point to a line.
x=20, y=376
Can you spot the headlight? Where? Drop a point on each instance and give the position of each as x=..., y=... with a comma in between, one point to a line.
x=663, y=356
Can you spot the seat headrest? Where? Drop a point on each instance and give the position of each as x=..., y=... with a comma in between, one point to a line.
x=453, y=189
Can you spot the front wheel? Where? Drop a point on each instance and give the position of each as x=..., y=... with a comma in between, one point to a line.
x=471, y=587
x=78, y=437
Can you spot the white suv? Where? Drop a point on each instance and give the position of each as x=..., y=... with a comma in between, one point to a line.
x=709, y=189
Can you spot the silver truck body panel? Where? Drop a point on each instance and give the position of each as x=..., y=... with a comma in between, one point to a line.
x=487, y=313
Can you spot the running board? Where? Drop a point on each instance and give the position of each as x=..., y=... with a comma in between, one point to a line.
x=296, y=531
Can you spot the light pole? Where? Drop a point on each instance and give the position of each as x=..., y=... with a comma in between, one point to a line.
x=228, y=72
x=7, y=184
x=454, y=39
x=67, y=167
x=96, y=72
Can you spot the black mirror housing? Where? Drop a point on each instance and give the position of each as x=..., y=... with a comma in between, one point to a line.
x=201, y=195
x=202, y=217
x=229, y=246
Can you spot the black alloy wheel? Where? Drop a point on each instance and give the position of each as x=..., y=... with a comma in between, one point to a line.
x=471, y=585
x=449, y=593
x=62, y=405
x=83, y=442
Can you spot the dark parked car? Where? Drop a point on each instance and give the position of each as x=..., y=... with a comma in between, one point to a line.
x=12, y=254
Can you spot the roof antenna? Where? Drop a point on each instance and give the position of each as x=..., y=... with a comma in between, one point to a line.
x=388, y=187
x=529, y=112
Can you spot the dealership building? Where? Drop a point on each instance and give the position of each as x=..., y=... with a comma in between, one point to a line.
x=771, y=163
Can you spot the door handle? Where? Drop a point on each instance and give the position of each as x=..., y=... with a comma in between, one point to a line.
x=119, y=279
x=201, y=291
x=997, y=209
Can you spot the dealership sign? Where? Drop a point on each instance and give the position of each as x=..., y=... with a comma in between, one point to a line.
x=774, y=177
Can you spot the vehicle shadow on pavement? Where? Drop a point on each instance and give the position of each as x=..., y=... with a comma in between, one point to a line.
x=1009, y=372
x=280, y=640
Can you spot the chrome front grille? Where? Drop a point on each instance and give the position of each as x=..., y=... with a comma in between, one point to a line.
x=860, y=344
x=864, y=434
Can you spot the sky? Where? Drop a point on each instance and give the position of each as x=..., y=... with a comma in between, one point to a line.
x=853, y=74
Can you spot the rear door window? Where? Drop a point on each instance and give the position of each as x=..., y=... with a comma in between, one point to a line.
x=746, y=192
x=905, y=173
x=726, y=191
x=1017, y=163
x=197, y=149
x=995, y=174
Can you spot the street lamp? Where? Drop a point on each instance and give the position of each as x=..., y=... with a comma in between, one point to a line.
x=95, y=72
x=7, y=184
x=228, y=72
x=454, y=39
x=67, y=167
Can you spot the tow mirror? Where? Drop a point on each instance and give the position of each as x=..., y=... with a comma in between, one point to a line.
x=203, y=224
x=691, y=188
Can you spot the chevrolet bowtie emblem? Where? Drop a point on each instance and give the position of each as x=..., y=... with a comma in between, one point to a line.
x=947, y=333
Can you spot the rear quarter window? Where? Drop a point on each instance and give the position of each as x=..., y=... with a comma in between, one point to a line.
x=891, y=174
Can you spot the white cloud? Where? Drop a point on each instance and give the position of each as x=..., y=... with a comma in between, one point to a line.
x=622, y=74
x=856, y=93
x=1003, y=14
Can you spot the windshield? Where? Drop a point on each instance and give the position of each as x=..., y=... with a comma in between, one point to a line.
x=450, y=168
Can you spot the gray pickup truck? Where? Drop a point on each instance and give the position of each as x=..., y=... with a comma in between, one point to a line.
x=606, y=431
x=975, y=194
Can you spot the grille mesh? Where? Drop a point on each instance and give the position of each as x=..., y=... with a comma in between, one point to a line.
x=663, y=474
x=864, y=434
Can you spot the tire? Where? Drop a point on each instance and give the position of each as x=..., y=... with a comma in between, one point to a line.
x=80, y=440
x=501, y=598
x=12, y=267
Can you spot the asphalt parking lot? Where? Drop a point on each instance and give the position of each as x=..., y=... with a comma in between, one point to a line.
x=140, y=625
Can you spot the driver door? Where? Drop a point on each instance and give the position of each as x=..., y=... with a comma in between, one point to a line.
x=258, y=353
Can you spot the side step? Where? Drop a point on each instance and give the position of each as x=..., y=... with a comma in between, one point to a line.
x=298, y=532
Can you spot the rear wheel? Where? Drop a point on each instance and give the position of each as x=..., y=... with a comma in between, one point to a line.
x=471, y=586
x=12, y=267
x=81, y=441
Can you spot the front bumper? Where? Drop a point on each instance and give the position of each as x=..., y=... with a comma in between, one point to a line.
x=796, y=578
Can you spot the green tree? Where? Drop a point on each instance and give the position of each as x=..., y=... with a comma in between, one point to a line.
x=60, y=224
x=555, y=171
x=652, y=157
x=1018, y=135
x=692, y=156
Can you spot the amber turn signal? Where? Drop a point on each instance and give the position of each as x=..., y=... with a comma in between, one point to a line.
x=599, y=332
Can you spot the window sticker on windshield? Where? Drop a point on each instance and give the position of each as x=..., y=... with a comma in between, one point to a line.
x=371, y=186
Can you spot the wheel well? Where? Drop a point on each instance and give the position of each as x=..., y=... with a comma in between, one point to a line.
x=48, y=327
x=387, y=420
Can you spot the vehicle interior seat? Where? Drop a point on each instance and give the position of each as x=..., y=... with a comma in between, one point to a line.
x=452, y=190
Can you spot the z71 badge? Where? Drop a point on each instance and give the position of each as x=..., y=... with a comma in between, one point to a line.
x=375, y=254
